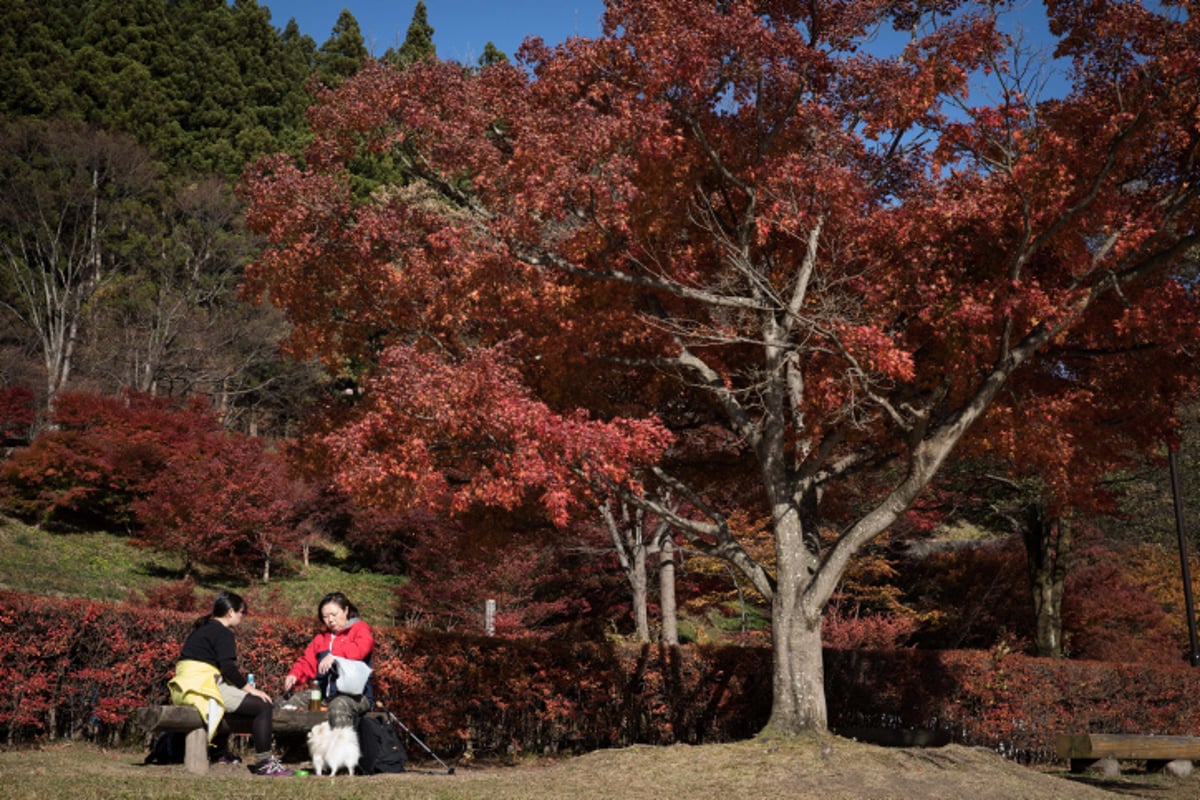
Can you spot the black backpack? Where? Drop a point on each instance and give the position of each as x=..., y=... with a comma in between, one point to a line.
x=167, y=748
x=382, y=750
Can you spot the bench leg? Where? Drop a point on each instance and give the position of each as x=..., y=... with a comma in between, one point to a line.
x=195, y=751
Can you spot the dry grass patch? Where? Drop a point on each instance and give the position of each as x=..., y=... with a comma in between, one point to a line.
x=829, y=769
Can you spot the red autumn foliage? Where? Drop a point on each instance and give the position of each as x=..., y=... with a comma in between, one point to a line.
x=227, y=501
x=538, y=580
x=1107, y=617
x=850, y=264
x=78, y=668
x=873, y=631
x=165, y=469
x=17, y=414
x=452, y=435
x=98, y=455
x=174, y=596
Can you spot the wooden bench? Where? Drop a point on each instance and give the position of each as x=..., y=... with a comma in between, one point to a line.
x=1084, y=749
x=186, y=719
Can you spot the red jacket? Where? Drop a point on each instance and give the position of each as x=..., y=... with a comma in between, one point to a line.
x=355, y=641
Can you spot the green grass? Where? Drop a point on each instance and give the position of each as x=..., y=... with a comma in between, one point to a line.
x=299, y=593
x=104, y=566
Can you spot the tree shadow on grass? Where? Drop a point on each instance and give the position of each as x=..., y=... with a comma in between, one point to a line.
x=1134, y=783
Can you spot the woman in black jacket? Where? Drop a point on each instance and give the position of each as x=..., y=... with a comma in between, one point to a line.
x=211, y=643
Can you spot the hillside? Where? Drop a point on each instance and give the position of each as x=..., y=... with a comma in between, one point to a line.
x=104, y=566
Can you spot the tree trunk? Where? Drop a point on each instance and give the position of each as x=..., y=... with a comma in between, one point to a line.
x=666, y=591
x=637, y=585
x=628, y=538
x=798, y=704
x=1047, y=545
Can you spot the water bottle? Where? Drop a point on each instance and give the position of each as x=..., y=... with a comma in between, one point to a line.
x=314, y=697
x=250, y=680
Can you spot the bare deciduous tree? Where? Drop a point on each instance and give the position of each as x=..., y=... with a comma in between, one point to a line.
x=72, y=201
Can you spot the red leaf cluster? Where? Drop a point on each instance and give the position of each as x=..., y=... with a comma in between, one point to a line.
x=17, y=414
x=164, y=470
x=98, y=455
x=224, y=499
x=455, y=434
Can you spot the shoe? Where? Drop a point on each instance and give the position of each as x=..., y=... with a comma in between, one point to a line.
x=271, y=768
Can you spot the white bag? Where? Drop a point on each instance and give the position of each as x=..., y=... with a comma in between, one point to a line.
x=352, y=675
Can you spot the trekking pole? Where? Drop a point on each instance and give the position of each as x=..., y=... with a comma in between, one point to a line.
x=417, y=739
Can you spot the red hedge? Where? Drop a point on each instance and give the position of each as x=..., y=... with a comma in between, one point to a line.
x=79, y=668
x=1011, y=703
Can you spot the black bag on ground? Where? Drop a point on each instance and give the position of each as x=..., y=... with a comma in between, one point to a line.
x=382, y=750
x=168, y=748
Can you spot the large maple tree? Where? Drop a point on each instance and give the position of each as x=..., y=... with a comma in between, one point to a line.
x=832, y=246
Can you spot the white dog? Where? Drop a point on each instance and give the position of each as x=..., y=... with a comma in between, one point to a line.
x=334, y=748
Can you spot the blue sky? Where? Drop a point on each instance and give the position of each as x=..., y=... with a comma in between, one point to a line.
x=461, y=28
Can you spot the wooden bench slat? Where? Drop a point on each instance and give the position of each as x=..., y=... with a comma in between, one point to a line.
x=154, y=719
x=181, y=719
x=1129, y=746
x=1083, y=750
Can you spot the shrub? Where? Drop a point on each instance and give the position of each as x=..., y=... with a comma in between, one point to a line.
x=173, y=596
x=224, y=500
x=453, y=571
x=17, y=415
x=886, y=631
x=98, y=456
x=80, y=668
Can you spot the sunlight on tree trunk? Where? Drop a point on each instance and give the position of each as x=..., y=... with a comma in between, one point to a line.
x=666, y=590
x=798, y=681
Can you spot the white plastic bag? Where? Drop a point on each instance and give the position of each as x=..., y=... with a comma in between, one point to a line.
x=352, y=675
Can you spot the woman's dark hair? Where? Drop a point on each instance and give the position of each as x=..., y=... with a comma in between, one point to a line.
x=341, y=601
x=222, y=605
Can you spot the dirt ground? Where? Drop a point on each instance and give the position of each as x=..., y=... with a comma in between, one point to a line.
x=833, y=769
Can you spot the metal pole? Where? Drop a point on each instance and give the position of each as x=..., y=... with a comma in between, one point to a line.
x=1183, y=556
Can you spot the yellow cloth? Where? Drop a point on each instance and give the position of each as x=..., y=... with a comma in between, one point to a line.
x=195, y=684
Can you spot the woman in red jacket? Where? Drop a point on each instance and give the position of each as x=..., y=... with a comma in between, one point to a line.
x=345, y=636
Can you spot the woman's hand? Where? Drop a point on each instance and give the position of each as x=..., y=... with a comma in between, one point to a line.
x=259, y=693
x=289, y=682
x=326, y=664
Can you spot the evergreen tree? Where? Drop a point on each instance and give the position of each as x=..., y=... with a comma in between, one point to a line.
x=242, y=84
x=35, y=58
x=127, y=51
x=344, y=52
x=492, y=55
x=418, y=42
x=298, y=55
x=206, y=85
